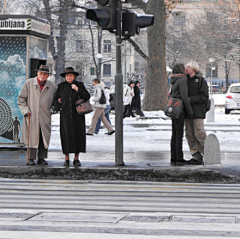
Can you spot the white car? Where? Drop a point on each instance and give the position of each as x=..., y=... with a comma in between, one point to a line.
x=232, y=101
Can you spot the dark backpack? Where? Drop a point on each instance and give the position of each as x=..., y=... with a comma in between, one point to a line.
x=208, y=104
x=102, y=100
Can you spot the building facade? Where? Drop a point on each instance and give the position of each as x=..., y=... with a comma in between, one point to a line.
x=204, y=31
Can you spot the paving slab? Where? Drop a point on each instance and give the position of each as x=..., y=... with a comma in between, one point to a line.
x=79, y=217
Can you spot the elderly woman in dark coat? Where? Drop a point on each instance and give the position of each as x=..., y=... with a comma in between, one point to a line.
x=72, y=125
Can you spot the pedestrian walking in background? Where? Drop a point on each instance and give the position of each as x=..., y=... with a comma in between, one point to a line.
x=35, y=101
x=136, y=100
x=107, y=109
x=99, y=109
x=128, y=94
x=198, y=97
x=72, y=125
x=179, y=90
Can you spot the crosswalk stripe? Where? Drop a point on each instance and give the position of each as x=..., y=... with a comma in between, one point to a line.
x=154, y=209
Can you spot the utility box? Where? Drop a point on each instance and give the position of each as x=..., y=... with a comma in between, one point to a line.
x=23, y=48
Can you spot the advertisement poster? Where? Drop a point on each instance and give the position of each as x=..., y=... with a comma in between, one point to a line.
x=38, y=48
x=13, y=51
x=12, y=78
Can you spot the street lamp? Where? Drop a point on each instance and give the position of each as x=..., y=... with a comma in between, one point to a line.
x=210, y=113
x=99, y=64
x=211, y=59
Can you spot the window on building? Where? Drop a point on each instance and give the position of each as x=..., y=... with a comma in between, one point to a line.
x=93, y=23
x=80, y=70
x=212, y=17
x=87, y=22
x=92, y=71
x=107, y=46
x=136, y=65
x=106, y=69
x=178, y=43
x=80, y=23
x=214, y=70
x=58, y=43
x=79, y=46
x=71, y=18
x=179, y=18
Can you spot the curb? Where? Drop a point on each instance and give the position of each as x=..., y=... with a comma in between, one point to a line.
x=164, y=174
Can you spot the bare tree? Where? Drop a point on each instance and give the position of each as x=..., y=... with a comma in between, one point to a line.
x=156, y=83
x=57, y=13
x=220, y=32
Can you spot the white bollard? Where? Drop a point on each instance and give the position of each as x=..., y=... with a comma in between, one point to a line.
x=212, y=153
x=210, y=113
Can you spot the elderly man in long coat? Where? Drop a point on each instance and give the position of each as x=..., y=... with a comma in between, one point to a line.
x=35, y=101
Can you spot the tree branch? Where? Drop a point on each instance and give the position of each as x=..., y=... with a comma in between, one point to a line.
x=140, y=4
x=137, y=49
x=93, y=51
x=80, y=6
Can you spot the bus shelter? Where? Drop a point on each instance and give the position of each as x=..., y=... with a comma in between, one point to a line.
x=23, y=48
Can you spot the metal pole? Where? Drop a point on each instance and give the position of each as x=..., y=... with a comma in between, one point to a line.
x=125, y=64
x=5, y=7
x=99, y=73
x=118, y=91
x=211, y=80
x=226, y=73
x=28, y=151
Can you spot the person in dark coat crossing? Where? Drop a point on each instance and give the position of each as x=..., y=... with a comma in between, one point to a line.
x=72, y=125
x=136, y=101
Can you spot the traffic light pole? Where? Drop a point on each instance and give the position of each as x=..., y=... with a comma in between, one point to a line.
x=118, y=91
x=110, y=17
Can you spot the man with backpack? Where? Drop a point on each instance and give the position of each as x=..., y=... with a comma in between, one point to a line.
x=198, y=97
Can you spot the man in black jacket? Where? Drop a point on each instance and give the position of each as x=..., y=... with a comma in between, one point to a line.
x=198, y=97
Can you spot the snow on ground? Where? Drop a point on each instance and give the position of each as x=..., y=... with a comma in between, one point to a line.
x=153, y=135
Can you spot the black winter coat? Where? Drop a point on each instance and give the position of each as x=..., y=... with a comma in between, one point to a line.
x=72, y=125
x=136, y=100
x=180, y=91
x=198, y=95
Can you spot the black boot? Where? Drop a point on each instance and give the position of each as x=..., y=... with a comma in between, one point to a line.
x=76, y=162
x=31, y=162
x=173, y=162
x=181, y=162
x=42, y=162
x=66, y=163
x=197, y=159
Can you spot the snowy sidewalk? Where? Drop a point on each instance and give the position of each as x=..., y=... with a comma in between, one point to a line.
x=146, y=147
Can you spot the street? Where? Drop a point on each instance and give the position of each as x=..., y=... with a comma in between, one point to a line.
x=117, y=209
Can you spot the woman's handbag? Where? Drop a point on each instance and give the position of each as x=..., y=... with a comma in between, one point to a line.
x=173, y=108
x=83, y=107
x=102, y=100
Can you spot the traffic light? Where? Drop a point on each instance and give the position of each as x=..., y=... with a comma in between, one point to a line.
x=132, y=23
x=105, y=15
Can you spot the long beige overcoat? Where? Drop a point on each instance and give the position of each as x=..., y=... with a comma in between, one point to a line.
x=32, y=100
